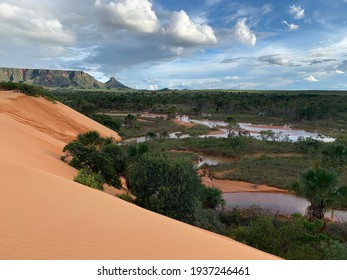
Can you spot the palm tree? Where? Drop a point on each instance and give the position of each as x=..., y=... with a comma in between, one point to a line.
x=320, y=187
x=335, y=156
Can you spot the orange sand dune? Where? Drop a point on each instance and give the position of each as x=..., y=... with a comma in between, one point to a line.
x=45, y=215
x=56, y=120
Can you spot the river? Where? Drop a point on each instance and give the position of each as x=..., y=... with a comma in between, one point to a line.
x=283, y=203
x=279, y=133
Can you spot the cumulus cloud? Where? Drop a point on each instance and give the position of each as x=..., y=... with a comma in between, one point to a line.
x=276, y=60
x=291, y=26
x=136, y=15
x=29, y=25
x=183, y=30
x=243, y=34
x=311, y=79
x=339, y=71
x=297, y=12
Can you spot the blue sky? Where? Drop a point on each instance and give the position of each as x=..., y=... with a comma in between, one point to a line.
x=153, y=44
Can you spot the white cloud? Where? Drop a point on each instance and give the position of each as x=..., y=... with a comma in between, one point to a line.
x=297, y=12
x=311, y=79
x=184, y=30
x=243, y=34
x=153, y=87
x=339, y=71
x=231, y=78
x=276, y=60
x=29, y=25
x=291, y=26
x=172, y=50
x=255, y=14
x=136, y=15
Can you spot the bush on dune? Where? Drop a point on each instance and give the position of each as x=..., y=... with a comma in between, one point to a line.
x=90, y=179
x=85, y=153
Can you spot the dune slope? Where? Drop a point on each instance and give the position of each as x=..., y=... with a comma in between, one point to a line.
x=45, y=215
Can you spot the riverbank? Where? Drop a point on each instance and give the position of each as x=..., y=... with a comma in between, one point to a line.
x=230, y=186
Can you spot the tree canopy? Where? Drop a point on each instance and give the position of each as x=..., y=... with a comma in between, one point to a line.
x=166, y=186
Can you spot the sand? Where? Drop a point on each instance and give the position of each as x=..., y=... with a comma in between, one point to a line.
x=180, y=122
x=45, y=215
x=230, y=186
x=217, y=132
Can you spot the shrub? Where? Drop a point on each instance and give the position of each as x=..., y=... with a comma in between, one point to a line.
x=90, y=179
x=337, y=230
x=169, y=187
x=30, y=90
x=293, y=239
x=93, y=160
x=90, y=138
x=208, y=219
x=212, y=198
x=107, y=121
x=126, y=196
x=334, y=250
x=117, y=155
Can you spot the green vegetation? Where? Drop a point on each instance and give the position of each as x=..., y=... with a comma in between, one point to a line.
x=164, y=179
x=158, y=127
x=127, y=197
x=107, y=121
x=307, y=109
x=30, y=90
x=90, y=179
x=321, y=187
x=232, y=126
x=87, y=152
x=262, y=162
x=169, y=187
x=162, y=182
x=295, y=238
x=335, y=156
x=264, y=170
x=172, y=187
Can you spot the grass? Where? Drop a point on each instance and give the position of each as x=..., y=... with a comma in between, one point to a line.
x=274, y=171
x=233, y=148
x=144, y=125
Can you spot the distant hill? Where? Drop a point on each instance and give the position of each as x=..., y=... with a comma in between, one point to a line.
x=56, y=78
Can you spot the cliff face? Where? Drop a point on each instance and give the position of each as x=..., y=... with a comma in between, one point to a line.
x=55, y=78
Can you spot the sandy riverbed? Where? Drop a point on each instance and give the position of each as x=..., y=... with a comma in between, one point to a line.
x=230, y=186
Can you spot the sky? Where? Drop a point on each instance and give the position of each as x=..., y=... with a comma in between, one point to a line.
x=182, y=44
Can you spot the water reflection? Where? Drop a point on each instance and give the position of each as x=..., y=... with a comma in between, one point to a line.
x=279, y=133
x=277, y=202
x=275, y=133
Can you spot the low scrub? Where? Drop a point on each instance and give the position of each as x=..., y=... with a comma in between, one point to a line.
x=90, y=179
x=30, y=90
